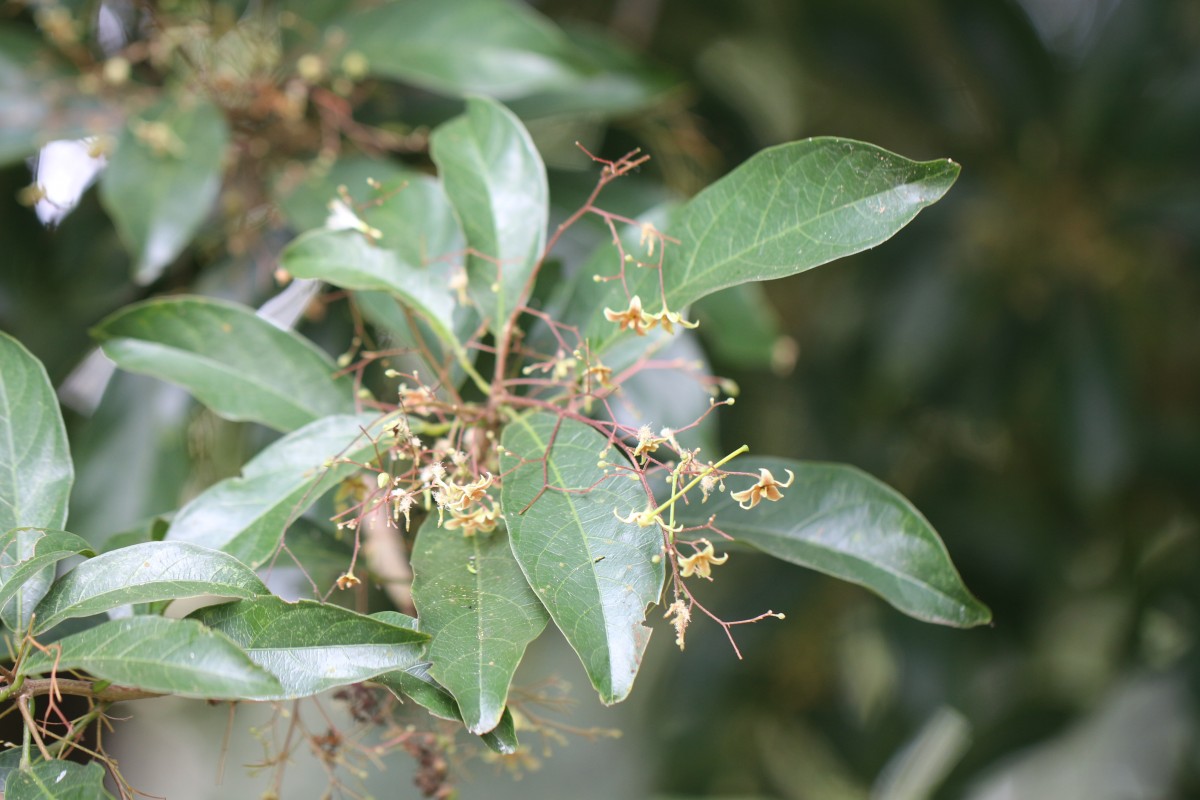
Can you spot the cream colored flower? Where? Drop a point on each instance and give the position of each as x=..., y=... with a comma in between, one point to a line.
x=669, y=319
x=481, y=520
x=701, y=562
x=647, y=443
x=767, y=487
x=633, y=318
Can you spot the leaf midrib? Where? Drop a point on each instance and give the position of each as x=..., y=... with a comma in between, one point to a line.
x=690, y=278
x=524, y=421
x=219, y=367
x=773, y=534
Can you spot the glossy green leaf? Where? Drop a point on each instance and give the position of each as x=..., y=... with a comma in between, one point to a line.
x=35, y=469
x=145, y=573
x=313, y=646
x=496, y=181
x=233, y=361
x=156, y=654
x=840, y=521
x=788, y=209
x=40, y=98
x=416, y=684
x=163, y=178
x=247, y=516
x=41, y=549
x=57, y=780
x=476, y=604
x=420, y=247
x=495, y=47
x=613, y=80
x=595, y=574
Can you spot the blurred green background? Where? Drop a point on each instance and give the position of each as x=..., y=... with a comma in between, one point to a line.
x=1023, y=362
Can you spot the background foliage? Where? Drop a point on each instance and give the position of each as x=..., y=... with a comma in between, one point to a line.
x=1024, y=363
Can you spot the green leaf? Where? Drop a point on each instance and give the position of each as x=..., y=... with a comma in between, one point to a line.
x=10, y=762
x=476, y=604
x=248, y=515
x=35, y=462
x=35, y=469
x=595, y=574
x=156, y=654
x=840, y=521
x=494, y=47
x=41, y=549
x=415, y=683
x=313, y=646
x=788, y=209
x=613, y=80
x=57, y=780
x=742, y=328
x=40, y=98
x=420, y=248
x=304, y=200
x=145, y=573
x=671, y=393
x=233, y=361
x=423, y=348
x=161, y=182
x=496, y=181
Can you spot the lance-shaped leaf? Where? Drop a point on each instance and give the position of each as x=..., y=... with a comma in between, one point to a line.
x=416, y=684
x=496, y=181
x=495, y=47
x=41, y=549
x=594, y=573
x=248, y=515
x=35, y=469
x=614, y=80
x=145, y=573
x=788, y=209
x=163, y=178
x=313, y=646
x=57, y=780
x=156, y=654
x=840, y=521
x=233, y=361
x=476, y=604
x=420, y=246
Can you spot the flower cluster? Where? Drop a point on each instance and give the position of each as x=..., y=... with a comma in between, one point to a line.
x=638, y=320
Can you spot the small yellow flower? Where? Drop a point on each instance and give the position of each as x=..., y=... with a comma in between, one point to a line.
x=458, y=497
x=601, y=373
x=647, y=443
x=767, y=487
x=701, y=562
x=633, y=318
x=669, y=319
x=480, y=520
